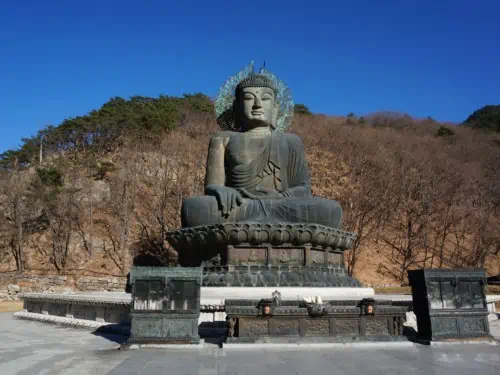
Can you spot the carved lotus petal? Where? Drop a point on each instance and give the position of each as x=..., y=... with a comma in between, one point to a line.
x=189, y=239
x=268, y=278
x=258, y=236
x=318, y=238
x=200, y=238
x=340, y=241
x=237, y=236
x=305, y=237
x=217, y=237
x=247, y=279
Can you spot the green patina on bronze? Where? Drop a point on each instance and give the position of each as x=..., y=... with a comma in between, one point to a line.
x=165, y=305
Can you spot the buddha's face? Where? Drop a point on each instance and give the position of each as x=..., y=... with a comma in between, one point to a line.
x=257, y=107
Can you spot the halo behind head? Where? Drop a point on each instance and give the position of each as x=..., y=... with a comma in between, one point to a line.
x=247, y=78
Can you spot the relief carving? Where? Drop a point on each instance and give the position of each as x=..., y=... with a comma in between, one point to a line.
x=445, y=325
x=286, y=326
x=376, y=326
x=473, y=325
x=347, y=327
x=317, y=327
x=253, y=327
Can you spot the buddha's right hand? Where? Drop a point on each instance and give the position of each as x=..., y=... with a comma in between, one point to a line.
x=228, y=198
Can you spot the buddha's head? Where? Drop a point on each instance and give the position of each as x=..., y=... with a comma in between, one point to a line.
x=256, y=104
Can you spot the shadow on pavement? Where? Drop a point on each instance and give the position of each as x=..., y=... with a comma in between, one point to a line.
x=113, y=332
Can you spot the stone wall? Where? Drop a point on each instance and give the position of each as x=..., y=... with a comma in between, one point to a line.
x=11, y=284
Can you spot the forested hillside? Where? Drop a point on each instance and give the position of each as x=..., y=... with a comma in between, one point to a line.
x=86, y=196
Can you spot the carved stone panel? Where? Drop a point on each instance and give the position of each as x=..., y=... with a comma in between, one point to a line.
x=34, y=307
x=253, y=327
x=376, y=326
x=445, y=326
x=246, y=255
x=335, y=259
x=84, y=312
x=284, y=256
x=57, y=309
x=317, y=327
x=177, y=328
x=347, y=327
x=147, y=327
x=286, y=326
x=317, y=257
x=473, y=325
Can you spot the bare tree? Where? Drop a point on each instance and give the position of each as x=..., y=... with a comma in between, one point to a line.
x=405, y=235
x=19, y=214
x=171, y=172
x=365, y=198
x=119, y=209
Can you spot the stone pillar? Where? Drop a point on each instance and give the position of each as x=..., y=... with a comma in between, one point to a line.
x=45, y=308
x=307, y=256
x=69, y=311
x=100, y=314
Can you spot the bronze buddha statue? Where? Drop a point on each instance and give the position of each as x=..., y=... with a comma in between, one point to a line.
x=255, y=172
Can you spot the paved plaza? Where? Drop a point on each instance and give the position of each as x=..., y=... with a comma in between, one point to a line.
x=35, y=348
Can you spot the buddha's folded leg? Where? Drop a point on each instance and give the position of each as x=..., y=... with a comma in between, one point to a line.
x=201, y=210
x=205, y=210
x=311, y=210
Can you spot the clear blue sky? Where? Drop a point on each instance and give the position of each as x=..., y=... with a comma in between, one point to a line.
x=428, y=58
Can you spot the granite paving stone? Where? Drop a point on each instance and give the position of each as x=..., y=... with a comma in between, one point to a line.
x=28, y=347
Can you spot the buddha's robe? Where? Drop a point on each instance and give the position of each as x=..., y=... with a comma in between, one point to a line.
x=278, y=167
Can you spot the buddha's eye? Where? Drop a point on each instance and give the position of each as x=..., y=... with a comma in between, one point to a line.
x=248, y=97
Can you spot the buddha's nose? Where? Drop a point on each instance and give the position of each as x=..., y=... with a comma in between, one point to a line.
x=257, y=103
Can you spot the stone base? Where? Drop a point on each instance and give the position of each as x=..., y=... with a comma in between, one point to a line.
x=252, y=320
